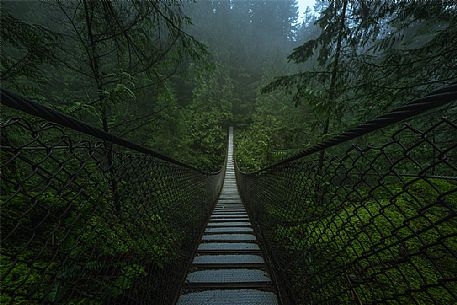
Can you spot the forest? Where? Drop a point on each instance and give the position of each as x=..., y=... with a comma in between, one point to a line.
x=182, y=72
x=86, y=222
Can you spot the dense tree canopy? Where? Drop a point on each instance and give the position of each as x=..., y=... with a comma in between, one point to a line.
x=112, y=63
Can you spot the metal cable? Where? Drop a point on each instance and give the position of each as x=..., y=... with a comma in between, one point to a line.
x=33, y=108
x=435, y=99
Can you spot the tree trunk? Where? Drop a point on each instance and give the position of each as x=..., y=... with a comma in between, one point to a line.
x=94, y=63
x=331, y=96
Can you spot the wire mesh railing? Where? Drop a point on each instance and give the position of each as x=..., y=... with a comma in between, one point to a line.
x=88, y=218
x=371, y=221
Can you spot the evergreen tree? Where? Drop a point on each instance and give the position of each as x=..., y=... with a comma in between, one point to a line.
x=382, y=42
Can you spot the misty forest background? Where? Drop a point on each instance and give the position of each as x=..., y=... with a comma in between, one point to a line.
x=173, y=75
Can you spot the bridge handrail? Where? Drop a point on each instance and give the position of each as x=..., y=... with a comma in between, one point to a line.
x=87, y=216
x=371, y=221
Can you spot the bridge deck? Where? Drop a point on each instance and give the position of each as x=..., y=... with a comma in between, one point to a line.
x=228, y=268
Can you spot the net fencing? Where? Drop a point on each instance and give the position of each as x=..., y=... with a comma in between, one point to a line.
x=89, y=218
x=369, y=216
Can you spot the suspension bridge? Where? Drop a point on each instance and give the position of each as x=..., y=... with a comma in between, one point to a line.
x=368, y=216
x=228, y=259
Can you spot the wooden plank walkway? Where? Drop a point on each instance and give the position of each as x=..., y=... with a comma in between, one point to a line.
x=228, y=268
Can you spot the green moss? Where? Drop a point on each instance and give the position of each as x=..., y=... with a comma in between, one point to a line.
x=100, y=255
x=393, y=240
x=17, y=273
